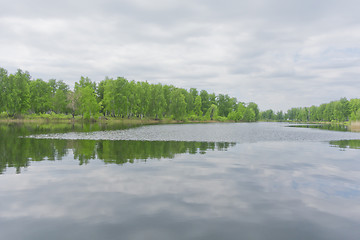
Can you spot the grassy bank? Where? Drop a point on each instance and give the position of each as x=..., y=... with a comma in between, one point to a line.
x=63, y=118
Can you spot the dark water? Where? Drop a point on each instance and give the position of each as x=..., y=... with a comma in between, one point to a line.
x=197, y=181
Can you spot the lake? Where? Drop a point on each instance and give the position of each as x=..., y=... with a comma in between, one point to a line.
x=178, y=181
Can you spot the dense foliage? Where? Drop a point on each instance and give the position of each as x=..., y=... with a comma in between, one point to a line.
x=19, y=94
x=339, y=111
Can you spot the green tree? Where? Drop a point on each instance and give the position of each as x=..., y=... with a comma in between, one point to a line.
x=144, y=98
x=89, y=106
x=249, y=115
x=205, y=101
x=237, y=115
x=212, y=113
x=177, y=104
x=84, y=82
x=280, y=116
x=17, y=93
x=303, y=114
x=85, y=98
x=329, y=111
x=40, y=96
x=255, y=108
x=73, y=103
x=343, y=109
x=60, y=99
x=157, y=106
x=133, y=99
x=108, y=100
x=320, y=112
x=225, y=104
x=268, y=115
x=167, y=89
x=3, y=81
x=313, y=115
x=354, y=105
x=197, y=106
x=356, y=115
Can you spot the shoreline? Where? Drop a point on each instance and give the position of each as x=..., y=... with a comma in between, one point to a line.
x=98, y=121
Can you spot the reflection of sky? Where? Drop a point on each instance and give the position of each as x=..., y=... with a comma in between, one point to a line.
x=211, y=132
x=279, y=190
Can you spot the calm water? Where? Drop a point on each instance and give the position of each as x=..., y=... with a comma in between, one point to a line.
x=194, y=181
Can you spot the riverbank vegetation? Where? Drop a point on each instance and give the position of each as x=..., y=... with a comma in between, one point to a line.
x=22, y=97
x=334, y=112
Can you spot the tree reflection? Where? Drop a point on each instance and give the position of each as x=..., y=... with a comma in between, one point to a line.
x=343, y=144
x=17, y=152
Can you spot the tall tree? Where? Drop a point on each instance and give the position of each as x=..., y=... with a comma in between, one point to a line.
x=17, y=92
x=157, y=106
x=177, y=104
x=60, y=99
x=255, y=108
x=40, y=96
x=89, y=106
x=354, y=105
x=3, y=81
x=249, y=115
x=85, y=96
x=205, y=101
x=212, y=112
x=197, y=106
x=237, y=115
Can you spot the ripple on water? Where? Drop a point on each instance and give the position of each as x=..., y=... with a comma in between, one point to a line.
x=210, y=132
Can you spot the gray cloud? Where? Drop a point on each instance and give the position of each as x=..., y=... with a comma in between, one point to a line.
x=277, y=53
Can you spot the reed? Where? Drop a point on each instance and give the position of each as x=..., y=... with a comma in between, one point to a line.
x=355, y=126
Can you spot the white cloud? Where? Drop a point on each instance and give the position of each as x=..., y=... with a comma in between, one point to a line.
x=278, y=54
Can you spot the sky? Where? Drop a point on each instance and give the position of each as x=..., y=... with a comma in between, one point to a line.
x=276, y=53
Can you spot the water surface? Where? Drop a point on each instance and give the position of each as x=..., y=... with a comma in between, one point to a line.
x=198, y=181
x=211, y=132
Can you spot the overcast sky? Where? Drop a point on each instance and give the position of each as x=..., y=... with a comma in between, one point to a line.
x=277, y=53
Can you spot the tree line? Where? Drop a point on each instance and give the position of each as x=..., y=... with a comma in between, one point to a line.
x=338, y=111
x=119, y=97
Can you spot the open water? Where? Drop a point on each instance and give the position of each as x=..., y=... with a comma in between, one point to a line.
x=179, y=181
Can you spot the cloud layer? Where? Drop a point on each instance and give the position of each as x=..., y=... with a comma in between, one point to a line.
x=278, y=53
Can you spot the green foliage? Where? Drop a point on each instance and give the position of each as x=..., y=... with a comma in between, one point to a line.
x=226, y=104
x=88, y=106
x=355, y=116
x=60, y=101
x=73, y=101
x=3, y=115
x=220, y=118
x=268, y=115
x=249, y=115
x=16, y=92
x=177, y=104
x=85, y=98
x=157, y=106
x=205, y=101
x=40, y=96
x=255, y=109
x=197, y=106
x=113, y=97
x=335, y=111
x=18, y=153
x=3, y=81
x=212, y=112
x=238, y=115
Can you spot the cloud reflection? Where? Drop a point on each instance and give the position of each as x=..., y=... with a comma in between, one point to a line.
x=310, y=190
